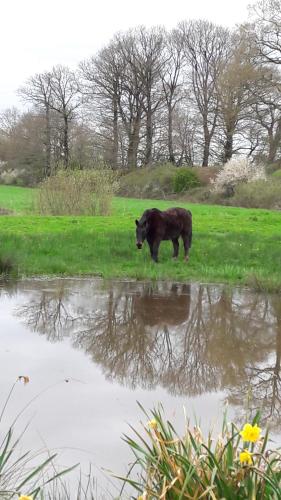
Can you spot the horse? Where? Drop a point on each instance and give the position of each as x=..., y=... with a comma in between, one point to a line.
x=156, y=225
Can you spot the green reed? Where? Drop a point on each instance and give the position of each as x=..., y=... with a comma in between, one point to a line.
x=233, y=466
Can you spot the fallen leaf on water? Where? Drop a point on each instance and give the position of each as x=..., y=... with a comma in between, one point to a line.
x=24, y=378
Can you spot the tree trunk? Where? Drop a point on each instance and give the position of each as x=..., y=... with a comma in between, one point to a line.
x=272, y=149
x=170, y=134
x=47, y=170
x=207, y=142
x=65, y=142
x=149, y=135
x=134, y=138
x=273, y=142
x=206, y=153
x=115, y=134
x=228, y=146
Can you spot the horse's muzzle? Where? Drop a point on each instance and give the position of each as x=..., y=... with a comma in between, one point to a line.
x=139, y=245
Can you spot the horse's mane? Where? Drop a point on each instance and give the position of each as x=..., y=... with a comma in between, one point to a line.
x=147, y=212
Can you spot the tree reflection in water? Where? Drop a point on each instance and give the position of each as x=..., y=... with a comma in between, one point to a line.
x=190, y=339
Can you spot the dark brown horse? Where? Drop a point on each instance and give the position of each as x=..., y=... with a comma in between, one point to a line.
x=155, y=226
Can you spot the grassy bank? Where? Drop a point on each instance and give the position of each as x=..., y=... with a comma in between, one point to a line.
x=230, y=244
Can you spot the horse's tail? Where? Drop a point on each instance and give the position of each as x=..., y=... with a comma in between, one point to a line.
x=190, y=231
x=190, y=237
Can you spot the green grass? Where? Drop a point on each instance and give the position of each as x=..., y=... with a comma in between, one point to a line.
x=17, y=199
x=232, y=245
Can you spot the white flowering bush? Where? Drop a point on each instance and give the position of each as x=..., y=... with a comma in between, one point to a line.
x=237, y=171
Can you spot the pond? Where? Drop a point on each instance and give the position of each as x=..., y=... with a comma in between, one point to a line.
x=93, y=348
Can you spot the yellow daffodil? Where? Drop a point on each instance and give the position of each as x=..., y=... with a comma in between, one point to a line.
x=246, y=457
x=250, y=433
x=152, y=424
x=143, y=496
x=25, y=497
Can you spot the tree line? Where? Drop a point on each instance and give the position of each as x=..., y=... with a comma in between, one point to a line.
x=195, y=95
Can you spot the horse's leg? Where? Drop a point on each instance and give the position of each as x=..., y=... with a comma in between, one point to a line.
x=176, y=248
x=154, y=250
x=186, y=244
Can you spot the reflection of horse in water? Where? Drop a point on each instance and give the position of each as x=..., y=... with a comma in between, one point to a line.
x=153, y=307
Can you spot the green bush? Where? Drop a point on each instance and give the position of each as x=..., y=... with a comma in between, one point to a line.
x=185, y=179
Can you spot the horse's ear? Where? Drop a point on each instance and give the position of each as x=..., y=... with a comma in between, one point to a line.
x=137, y=222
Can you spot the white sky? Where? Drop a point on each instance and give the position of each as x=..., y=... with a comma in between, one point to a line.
x=36, y=35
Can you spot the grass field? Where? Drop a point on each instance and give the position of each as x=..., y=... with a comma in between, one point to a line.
x=231, y=245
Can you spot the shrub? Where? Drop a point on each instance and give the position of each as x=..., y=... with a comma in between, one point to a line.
x=157, y=181
x=235, y=465
x=148, y=182
x=237, y=171
x=185, y=179
x=78, y=192
x=258, y=194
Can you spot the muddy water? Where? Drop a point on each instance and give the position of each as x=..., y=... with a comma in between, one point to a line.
x=93, y=348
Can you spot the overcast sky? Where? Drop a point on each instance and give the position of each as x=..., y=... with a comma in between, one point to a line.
x=36, y=35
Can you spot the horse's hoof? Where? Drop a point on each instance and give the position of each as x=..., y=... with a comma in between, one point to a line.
x=175, y=258
x=186, y=258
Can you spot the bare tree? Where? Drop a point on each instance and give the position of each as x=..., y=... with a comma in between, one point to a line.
x=131, y=96
x=22, y=139
x=172, y=82
x=37, y=91
x=206, y=47
x=66, y=98
x=193, y=95
x=267, y=112
x=103, y=76
x=266, y=30
x=236, y=82
x=149, y=60
x=8, y=120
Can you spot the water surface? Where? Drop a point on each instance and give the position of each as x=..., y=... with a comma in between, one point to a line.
x=93, y=348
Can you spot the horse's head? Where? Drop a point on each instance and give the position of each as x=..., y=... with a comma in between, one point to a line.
x=141, y=231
